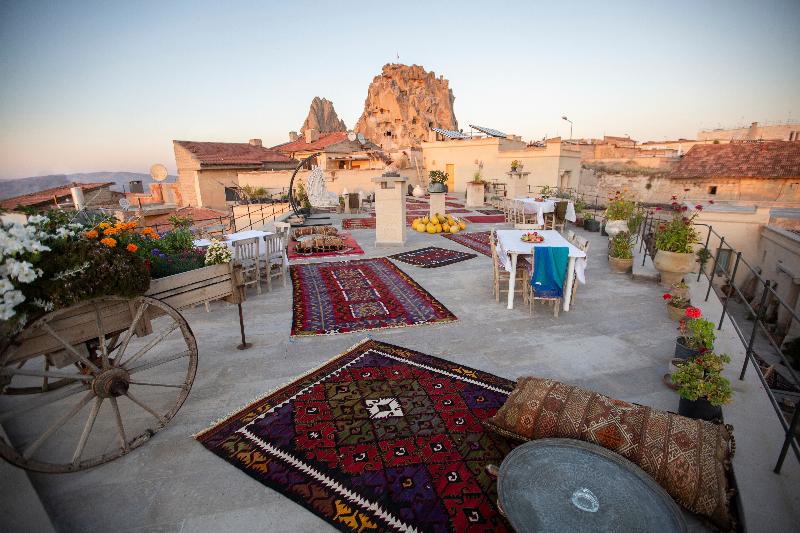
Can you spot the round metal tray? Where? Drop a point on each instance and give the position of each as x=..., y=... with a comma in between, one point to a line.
x=569, y=485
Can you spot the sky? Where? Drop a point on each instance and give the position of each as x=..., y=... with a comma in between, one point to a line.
x=106, y=86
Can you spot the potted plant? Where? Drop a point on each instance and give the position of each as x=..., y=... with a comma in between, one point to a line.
x=620, y=252
x=696, y=335
x=475, y=188
x=702, y=387
x=437, y=179
x=617, y=214
x=515, y=166
x=674, y=241
x=680, y=289
x=590, y=223
x=580, y=207
x=676, y=306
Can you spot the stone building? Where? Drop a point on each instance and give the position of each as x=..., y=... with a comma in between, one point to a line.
x=755, y=132
x=206, y=169
x=550, y=163
x=94, y=194
x=336, y=151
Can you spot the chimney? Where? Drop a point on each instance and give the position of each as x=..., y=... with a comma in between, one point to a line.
x=293, y=136
x=255, y=142
x=311, y=135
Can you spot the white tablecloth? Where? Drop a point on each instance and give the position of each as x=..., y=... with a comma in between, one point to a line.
x=530, y=205
x=233, y=237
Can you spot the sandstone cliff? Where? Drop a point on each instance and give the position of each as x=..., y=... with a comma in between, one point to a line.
x=322, y=117
x=402, y=104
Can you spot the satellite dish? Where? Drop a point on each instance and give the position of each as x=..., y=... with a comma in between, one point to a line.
x=351, y=136
x=124, y=204
x=158, y=172
x=361, y=138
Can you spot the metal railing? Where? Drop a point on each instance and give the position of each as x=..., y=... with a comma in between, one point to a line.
x=722, y=278
x=229, y=223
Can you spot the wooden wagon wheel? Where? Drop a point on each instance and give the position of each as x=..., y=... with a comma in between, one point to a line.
x=134, y=381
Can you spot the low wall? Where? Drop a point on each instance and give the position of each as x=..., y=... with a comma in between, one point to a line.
x=335, y=180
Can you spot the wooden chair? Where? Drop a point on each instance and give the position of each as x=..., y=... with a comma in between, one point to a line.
x=274, y=261
x=354, y=202
x=530, y=295
x=571, y=236
x=507, y=206
x=213, y=231
x=500, y=274
x=246, y=252
x=558, y=218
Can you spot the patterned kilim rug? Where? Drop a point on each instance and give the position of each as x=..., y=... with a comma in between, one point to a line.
x=489, y=211
x=381, y=438
x=477, y=240
x=352, y=248
x=369, y=223
x=432, y=257
x=486, y=219
x=347, y=296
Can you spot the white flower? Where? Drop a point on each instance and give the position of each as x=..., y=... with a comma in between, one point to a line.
x=10, y=300
x=36, y=219
x=23, y=271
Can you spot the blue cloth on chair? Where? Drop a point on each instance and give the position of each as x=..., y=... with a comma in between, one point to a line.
x=549, y=271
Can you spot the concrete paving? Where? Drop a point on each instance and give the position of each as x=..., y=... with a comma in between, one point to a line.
x=616, y=340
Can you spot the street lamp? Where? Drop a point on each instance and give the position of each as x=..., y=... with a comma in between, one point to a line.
x=564, y=117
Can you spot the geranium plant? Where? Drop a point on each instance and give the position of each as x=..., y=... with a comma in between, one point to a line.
x=697, y=332
x=621, y=246
x=676, y=301
x=701, y=378
x=619, y=207
x=678, y=233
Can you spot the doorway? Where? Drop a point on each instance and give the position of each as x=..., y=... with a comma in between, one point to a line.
x=451, y=177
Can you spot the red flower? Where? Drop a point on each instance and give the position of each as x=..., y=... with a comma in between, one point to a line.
x=693, y=312
x=658, y=209
x=711, y=201
x=681, y=323
x=698, y=361
x=702, y=350
x=674, y=203
x=698, y=207
x=667, y=296
x=684, y=208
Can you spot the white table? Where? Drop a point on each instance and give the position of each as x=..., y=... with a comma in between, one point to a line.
x=510, y=247
x=530, y=205
x=233, y=237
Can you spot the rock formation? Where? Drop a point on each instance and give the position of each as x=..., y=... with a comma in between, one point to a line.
x=402, y=104
x=322, y=117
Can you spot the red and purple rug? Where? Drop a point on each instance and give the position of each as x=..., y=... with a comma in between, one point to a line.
x=477, y=240
x=432, y=257
x=489, y=211
x=369, y=223
x=351, y=248
x=381, y=438
x=347, y=296
x=486, y=219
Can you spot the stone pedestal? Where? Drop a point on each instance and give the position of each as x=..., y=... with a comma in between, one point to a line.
x=517, y=184
x=390, y=209
x=475, y=194
x=437, y=203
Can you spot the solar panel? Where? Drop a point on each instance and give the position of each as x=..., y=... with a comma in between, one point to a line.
x=488, y=131
x=451, y=134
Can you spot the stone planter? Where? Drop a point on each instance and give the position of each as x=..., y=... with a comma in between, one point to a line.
x=475, y=194
x=682, y=351
x=418, y=192
x=616, y=226
x=700, y=409
x=591, y=224
x=437, y=187
x=579, y=221
x=673, y=266
x=676, y=313
x=679, y=292
x=620, y=265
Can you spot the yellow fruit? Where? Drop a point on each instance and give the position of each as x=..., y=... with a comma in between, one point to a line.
x=438, y=228
x=425, y=220
x=454, y=229
x=430, y=228
x=445, y=227
x=462, y=224
x=420, y=228
x=442, y=219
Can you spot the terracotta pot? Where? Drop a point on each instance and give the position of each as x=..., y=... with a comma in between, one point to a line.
x=620, y=265
x=675, y=313
x=699, y=408
x=673, y=266
x=616, y=226
x=679, y=292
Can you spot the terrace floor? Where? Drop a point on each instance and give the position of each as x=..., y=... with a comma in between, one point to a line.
x=616, y=340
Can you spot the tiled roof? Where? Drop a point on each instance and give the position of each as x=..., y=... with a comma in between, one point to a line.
x=740, y=159
x=300, y=145
x=215, y=153
x=40, y=197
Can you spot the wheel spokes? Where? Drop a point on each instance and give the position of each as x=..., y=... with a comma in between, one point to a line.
x=181, y=386
x=49, y=397
x=129, y=333
x=101, y=335
x=146, y=407
x=87, y=429
x=158, y=362
x=46, y=327
x=45, y=374
x=120, y=427
x=31, y=449
x=160, y=337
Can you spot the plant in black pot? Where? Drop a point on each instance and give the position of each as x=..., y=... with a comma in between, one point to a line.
x=437, y=179
x=696, y=335
x=702, y=387
x=590, y=223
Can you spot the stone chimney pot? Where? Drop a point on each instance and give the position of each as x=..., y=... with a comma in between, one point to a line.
x=255, y=142
x=311, y=135
x=293, y=136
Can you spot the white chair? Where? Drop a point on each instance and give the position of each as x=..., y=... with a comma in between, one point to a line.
x=583, y=244
x=571, y=236
x=274, y=262
x=247, y=253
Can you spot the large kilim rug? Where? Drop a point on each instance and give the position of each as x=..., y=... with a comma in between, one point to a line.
x=347, y=296
x=381, y=438
x=486, y=219
x=477, y=240
x=432, y=257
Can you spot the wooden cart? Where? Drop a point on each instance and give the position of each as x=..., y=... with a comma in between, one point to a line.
x=132, y=362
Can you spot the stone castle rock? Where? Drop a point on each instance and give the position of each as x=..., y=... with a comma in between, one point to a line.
x=322, y=117
x=402, y=104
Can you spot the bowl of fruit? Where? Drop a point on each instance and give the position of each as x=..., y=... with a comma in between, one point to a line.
x=532, y=237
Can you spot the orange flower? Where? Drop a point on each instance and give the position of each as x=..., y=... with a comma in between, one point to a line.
x=104, y=225
x=131, y=247
x=148, y=231
x=91, y=234
x=155, y=236
x=110, y=231
x=108, y=241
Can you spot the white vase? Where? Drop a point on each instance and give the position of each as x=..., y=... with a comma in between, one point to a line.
x=418, y=192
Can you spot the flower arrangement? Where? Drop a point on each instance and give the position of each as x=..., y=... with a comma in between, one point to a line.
x=515, y=164
x=701, y=378
x=697, y=332
x=676, y=301
x=678, y=234
x=218, y=253
x=437, y=176
x=621, y=246
x=619, y=207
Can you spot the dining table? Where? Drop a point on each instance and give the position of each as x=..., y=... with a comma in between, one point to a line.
x=231, y=238
x=510, y=246
x=531, y=205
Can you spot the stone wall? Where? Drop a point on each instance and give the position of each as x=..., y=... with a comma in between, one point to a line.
x=756, y=131
x=780, y=263
x=335, y=181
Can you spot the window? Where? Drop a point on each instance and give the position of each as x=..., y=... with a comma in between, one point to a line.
x=230, y=194
x=723, y=262
x=712, y=189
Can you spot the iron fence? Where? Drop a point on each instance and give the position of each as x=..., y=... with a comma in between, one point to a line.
x=723, y=278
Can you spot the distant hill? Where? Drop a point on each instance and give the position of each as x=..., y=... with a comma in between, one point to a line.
x=16, y=187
